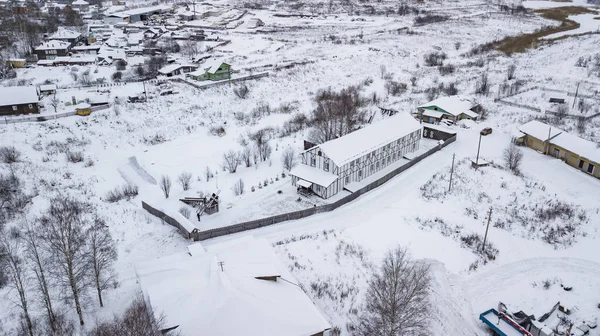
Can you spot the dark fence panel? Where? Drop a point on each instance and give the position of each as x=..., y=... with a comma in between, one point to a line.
x=258, y=223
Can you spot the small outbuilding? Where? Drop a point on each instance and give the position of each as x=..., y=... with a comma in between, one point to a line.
x=16, y=100
x=453, y=108
x=48, y=89
x=212, y=70
x=177, y=69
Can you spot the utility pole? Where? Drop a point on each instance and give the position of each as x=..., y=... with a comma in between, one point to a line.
x=451, y=173
x=486, y=229
x=478, y=148
x=145, y=94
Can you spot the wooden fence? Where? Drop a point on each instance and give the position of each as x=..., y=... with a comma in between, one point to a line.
x=221, y=82
x=258, y=223
x=45, y=117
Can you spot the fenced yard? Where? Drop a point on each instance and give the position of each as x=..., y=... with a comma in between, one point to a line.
x=258, y=223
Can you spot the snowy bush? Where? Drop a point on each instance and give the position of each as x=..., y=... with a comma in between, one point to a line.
x=238, y=187
x=289, y=158
x=185, y=211
x=395, y=88
x=447, y=69
x=435, y=58
x=231, y=161
x=74, y=156
x=185, y=179
x=512, y=156
x=165, y=185
x=9, y=154
x=126, y=191
x=241, y=91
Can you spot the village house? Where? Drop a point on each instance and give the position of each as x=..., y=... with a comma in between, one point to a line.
x=16, y=62
x=66, y=35
x=176, y=69
x=52, y=49
x=237, y=287
x=80, y=6
x=327, y=168
x=16, y=100
x=212, y=70
x=87, y=49
x=48, y=89
x=453, y=108
x=578, y=153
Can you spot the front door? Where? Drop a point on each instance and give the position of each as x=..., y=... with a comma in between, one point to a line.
x=556, y=153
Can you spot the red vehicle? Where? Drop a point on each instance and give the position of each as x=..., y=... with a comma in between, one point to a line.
x=486, y=131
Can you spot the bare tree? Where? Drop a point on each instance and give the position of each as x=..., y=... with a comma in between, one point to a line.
x=165, y=185
x=289, y=158
x=101, y=257
x=261, y=143
x=64, y=227
x=208, y=173
x=54, y=102
x=510, y=73
x=85, y=78
x=138, y=320
x=238, y=187
x=512, y=156
x=185, y=179
x=190, y=48
x=482, y=86
x=396, y=301
x=337, y=114
x=9, y=154
x=246, y=155
x=10, y=260
x=231, y=161
x=36, y=257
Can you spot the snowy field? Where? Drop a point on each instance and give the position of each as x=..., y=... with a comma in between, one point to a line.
x=332, y=254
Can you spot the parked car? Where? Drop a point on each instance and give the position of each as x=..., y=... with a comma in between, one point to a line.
x=486, y=131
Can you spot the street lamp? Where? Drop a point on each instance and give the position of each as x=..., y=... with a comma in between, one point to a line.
x=478, y=148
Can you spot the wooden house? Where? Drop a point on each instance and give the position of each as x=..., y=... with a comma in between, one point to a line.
x=578, y=153
x=212, y=70
x=81, y=6
x=52, y=49
x=16, y=100
x=67, y=35
x=238, y=287
x=16, y=62
x=328, y=168
x=453, y=108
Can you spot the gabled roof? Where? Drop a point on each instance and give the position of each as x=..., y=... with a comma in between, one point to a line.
x=80, y=2
x=17, y=95
x=200, y=298
x=212, y=66
x=53, y=45
x=172, y=67
x=313, y=175
x=365, y=140
x=455, y=105
x=558, y=137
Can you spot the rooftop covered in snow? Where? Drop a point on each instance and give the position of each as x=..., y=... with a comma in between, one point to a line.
x=17, y=95
x=236, y=287
x=358, y=143
x=455, y=105
x=66, y=34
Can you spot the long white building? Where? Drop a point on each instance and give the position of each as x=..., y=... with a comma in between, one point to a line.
x=325, y=169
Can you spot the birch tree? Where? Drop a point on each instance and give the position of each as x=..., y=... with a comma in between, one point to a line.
x=64, y=226
x=102, y=255
x=34, y=254
x=13, y=264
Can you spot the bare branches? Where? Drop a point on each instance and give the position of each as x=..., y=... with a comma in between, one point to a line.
x=101, y=256
x=185, y=179
x=138, y=320
x=165, y=185
x=238, y=187
x=512, y=156
x=246, y=156
x=64, y=233
x=231, y=161
x=289, y=158
x=396, y=302
x=337, y=114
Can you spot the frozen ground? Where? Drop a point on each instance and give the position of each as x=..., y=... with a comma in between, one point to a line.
x=330, y=254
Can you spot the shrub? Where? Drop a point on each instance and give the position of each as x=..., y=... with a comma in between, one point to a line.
x=512, y=156
x=447, y=69
x=185, y=179
x=289, y=158
x=9, y=154
x=435, y=59
x=427, y=19
x=121, y=65
x=165, y=185
x=395, y=88
x=74, y=157
x=217, y=130
x=127, y=191
x=238, y=187
x=117, y=76
x=185, y=211
x=231, y=161
x=241, y=91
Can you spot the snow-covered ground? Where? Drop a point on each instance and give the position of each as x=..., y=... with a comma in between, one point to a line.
x=331, y=254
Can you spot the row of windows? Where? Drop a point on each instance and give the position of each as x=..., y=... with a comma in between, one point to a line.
x=385, y=162
x=16, y=108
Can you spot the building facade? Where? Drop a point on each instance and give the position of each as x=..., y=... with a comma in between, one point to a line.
x=17, y=100
x=327, y=168
x=578, y=153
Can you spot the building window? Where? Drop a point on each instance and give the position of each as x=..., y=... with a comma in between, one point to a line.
x=347, y=179
x=14, y=107
x=313, y=161
x=556, y=152
x=590, y=168
x=580, y=164
x=320, y=153
x=394, y=158
x=360, y=174
x=30, y=106
x=389, y=160
x=377, y=165
x=326, y=166
x=372, y=167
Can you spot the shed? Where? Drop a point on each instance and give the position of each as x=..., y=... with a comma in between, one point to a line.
x=18, y=100
x=16, y=62
x=83, y=109
x=48, y=89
